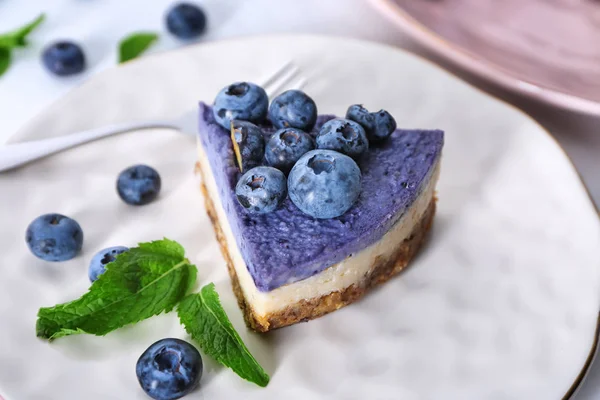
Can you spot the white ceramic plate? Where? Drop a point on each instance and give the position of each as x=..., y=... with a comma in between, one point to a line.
x=501, y=304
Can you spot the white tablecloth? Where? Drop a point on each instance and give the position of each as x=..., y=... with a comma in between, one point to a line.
x=98, y=25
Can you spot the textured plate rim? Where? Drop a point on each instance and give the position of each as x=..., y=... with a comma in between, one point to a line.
x=18, y=136
x=481, y=67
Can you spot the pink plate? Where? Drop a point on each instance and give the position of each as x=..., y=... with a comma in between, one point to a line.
x=547, y=49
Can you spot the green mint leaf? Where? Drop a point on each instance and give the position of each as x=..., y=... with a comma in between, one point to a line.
x=205, y=320
x=135, y=44
x=4, y=60
x=142, y=282
x=18, y=37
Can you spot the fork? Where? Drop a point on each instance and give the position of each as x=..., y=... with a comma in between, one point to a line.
x=17, y=154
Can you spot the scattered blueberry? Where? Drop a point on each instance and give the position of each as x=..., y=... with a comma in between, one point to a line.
x=385, y=125
x=240, y=100
x=186, y=21
x=361, y=115
x=295, y=109
x=54, y=237
x=102, y=259
x=324, y=183
x=377, y=125
x=138, y=185
x=169, y=369
x=64, y=58
x=344, y=136
x=286, y=146
x=248, y=143
x=261, y=189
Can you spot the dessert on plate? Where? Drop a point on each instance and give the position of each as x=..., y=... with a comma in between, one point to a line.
x=311, y=211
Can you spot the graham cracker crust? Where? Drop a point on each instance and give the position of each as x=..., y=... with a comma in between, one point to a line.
x=304, y=310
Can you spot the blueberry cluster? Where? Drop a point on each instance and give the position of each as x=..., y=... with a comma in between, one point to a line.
x=168, y=369
x=55, y=237
x=323, y=177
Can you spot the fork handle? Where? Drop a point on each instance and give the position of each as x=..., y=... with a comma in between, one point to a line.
x=17, y=154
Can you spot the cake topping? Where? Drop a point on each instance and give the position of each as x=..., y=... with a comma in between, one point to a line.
x=248, y=144
x=385, y=125
x=324, y=183
x=378, y=125
x=344, y=136
x=261, y=189
x=361, y=115
x=295, y=109
x=286, y=146
x=241, y=100
x=323, y=188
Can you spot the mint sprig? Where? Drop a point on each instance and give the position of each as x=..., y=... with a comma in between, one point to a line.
x=135, y=44
x=18, y=37
x=5, y=58
x=205, y=320
x=14, y=39
x=142, y=282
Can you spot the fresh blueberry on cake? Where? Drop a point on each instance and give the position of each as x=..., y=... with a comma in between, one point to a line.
x=261, y=189
x=385, y=125
x=248, y=144
x=324, y=183
x=349, y=217
x=343, y=135
x=361, y=115
x=378, y=125
x=294, y=109
x=286, y=146
x=241, y=100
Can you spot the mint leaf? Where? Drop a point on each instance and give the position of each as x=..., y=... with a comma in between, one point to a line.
x=205, y=320
x=18, y=37
x=4, y=60
x=142, y=282
x=135, y=44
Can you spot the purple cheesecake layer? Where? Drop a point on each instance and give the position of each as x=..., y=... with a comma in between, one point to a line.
x=287, y=245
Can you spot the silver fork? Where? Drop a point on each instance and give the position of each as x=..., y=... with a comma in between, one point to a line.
x=15, y=155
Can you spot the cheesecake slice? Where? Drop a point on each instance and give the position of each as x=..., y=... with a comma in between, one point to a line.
x=287, y=266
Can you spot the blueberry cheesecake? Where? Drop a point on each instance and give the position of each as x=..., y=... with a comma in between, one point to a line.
x=317, y=211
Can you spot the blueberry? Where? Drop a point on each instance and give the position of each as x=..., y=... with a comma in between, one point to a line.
x=324, y=183
x=377, y=125
x=64, y=58
x=261, y=189
x=102, y=259
x=293, y=109
x=361, y=115
x=385, y=125
x=240, y=100
x=286, y=146
x=54, y=237
x=169, y=369
x=344, y=136
x=186, y=21
x=138, y=185
x=248, y=144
